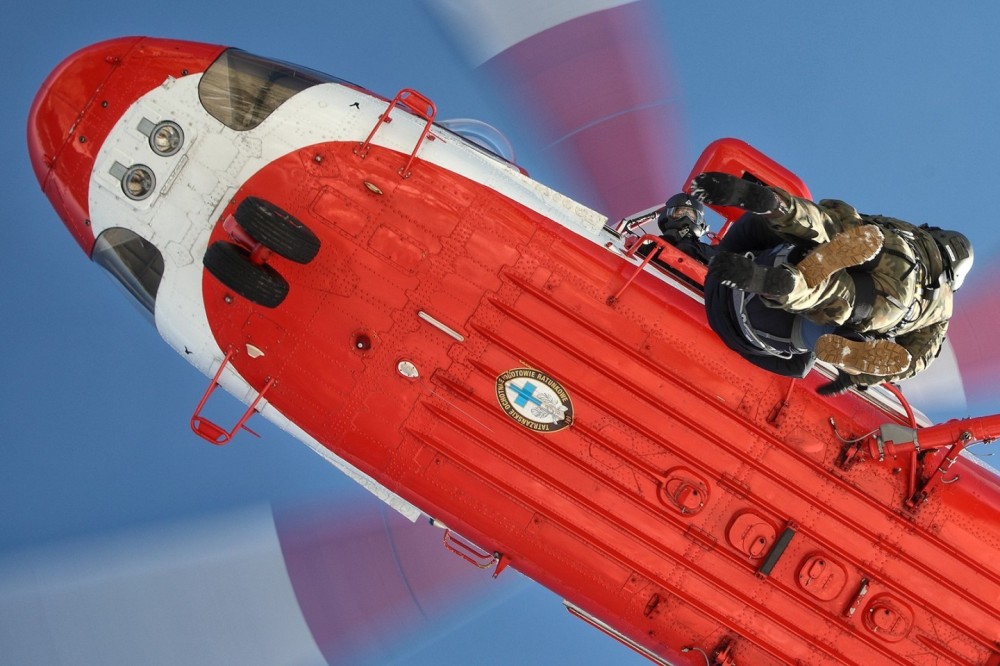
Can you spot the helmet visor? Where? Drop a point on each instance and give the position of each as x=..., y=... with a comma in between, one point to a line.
x=675, y=215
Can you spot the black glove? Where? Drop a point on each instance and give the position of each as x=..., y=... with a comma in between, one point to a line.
x=723, y=189
x=737, y=270
x=675, y=234
x=840, y=385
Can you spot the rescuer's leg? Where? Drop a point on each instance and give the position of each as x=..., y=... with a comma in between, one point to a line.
x=852, y=247
x=793, y=218
x=821, y=287
x=879, y=358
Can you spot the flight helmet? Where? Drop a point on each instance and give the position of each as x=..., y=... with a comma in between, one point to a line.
x=682, y=210
x=956, y=253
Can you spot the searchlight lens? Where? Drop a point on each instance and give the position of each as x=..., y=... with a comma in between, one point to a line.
x=138, y=182
x=166, y=138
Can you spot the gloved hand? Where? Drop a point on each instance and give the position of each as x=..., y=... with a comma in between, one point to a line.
x=675, y=233
x=737, y=270
x=840, y=385
x=723, y=189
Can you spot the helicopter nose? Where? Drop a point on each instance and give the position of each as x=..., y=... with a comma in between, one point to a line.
x=80, y=103
x=65, y=130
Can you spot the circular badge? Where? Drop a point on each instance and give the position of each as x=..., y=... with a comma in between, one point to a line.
x=534, y=400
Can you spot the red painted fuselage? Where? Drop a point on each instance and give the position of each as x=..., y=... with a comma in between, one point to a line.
x=487, y=351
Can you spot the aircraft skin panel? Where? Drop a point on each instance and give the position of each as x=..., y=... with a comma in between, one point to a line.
x=579, y=419
x=586, y=510
x=201, y=180
x=78, y=133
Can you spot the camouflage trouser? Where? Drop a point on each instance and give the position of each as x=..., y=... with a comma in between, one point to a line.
x=897, y=280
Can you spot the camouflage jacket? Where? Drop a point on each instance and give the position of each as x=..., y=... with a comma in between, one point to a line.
x=911, y=304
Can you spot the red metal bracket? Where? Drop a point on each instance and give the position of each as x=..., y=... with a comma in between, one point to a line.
x=259, y=253
x=778, y=411
x=674, y=258
x=949, y=439
x=212, y=432
x=502, y=564
x=723, y=655
x=420, y=106
x=863, y=589
x=470, y=553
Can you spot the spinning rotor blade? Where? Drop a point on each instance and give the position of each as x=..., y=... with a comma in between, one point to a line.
x=964, y=376
x=593, y=78
x=973, y=335
x=354, y=583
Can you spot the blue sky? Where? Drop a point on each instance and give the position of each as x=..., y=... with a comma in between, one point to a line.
x=891, y=106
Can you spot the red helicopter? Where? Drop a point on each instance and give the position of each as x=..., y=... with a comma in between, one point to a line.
x=478, y=348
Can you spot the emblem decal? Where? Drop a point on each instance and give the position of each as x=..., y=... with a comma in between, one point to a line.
x=534, y=400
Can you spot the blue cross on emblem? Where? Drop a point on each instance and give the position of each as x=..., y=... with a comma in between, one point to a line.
x=534, y=400
x=525, y=394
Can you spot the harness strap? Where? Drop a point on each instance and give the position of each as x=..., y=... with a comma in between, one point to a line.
x=928, y=283
x=913, y=263
x=751, y=334
x=864, y=297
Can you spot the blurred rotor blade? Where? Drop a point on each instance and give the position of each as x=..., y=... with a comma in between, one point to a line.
x=938, y=391
x=375, y=585
x=964, y=376
x=334, y=584
x=592, y=77
x=973, y=335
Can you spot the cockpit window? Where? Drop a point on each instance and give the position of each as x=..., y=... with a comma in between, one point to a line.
x=241, y=90
x=133, y=261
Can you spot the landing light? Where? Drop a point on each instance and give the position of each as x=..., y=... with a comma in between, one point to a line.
x=138, y=182
x=166, y=138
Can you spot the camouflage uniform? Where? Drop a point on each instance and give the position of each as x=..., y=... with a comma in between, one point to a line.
x=912, y=304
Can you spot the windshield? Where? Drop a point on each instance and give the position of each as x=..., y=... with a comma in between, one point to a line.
x=240, y=90
x=133, y=261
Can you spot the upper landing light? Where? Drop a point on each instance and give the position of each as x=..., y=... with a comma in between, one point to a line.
x=165, y=138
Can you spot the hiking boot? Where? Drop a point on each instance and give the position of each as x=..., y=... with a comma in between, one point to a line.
x=723, y=189
x=852, y=247
x=737, y=270
x=879, y=358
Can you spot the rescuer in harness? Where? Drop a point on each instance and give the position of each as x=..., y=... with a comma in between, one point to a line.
x=871, y=295
x=682, y=224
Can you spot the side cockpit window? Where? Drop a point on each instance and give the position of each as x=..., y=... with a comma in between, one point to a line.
x=133, y=261
x=240, y=90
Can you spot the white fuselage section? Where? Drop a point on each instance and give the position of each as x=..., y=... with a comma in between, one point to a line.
x=195, y=185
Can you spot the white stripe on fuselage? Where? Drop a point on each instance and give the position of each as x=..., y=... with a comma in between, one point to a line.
x=216, y=161
x=196, y=184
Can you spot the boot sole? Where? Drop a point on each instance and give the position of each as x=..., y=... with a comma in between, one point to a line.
x=852, y=247
x=879, y=358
